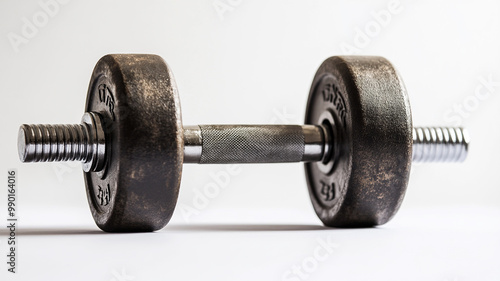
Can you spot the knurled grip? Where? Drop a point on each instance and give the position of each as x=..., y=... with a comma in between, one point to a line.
x=251, y=143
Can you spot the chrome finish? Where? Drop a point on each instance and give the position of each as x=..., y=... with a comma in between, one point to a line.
x=314, y=143
x=193, y=144
x=97, y=142
x=436, y=144
x=50, y=143
x=253, y=143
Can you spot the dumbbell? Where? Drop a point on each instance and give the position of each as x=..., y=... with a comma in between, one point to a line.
x=357, y=143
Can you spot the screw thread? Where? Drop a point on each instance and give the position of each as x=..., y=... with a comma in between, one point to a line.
x=436, y=144
x=48, y=143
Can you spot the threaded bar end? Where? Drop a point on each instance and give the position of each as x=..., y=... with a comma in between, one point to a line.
x=50, y=143
x=437, y=144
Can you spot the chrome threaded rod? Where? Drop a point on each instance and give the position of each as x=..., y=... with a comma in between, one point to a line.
x=225, y=143
x=437, y=144
x=49, y=143
x=76, y=142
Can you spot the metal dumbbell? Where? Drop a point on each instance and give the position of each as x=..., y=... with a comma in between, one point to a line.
x=357, y=143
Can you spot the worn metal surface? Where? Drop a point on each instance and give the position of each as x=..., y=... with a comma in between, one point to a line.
x=137, y=97
x=364, y=101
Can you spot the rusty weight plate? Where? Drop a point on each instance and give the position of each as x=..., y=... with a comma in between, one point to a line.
x=136, y=97
x=363, y=104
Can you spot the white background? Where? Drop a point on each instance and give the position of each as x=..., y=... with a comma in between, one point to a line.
x=253, y=62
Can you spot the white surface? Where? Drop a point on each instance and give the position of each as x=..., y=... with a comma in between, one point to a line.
x=254, y=64
x=442, y=244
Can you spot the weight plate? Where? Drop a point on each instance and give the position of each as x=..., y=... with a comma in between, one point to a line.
x=363, y=104
x=136, y=97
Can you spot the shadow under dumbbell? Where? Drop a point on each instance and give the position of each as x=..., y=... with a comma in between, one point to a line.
x=245, y=227
x=173, y=228
x=54, y=231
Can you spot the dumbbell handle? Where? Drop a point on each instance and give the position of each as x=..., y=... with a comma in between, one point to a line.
x=219, y=144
